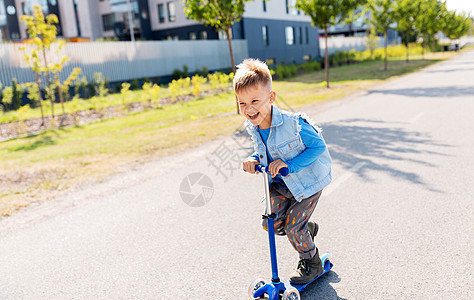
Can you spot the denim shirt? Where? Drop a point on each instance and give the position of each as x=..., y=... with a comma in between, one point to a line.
x=285, y=143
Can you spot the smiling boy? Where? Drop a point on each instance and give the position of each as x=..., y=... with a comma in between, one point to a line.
x=284, y=139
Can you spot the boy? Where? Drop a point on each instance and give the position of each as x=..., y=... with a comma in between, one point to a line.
x=283, y=139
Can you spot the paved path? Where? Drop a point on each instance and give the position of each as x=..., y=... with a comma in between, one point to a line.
x=397, y=219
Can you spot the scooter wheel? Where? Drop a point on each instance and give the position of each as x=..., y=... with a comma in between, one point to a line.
x=255, y=285
x=291, y=294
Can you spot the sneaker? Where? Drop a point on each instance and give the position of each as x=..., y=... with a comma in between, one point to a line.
x=307, y=270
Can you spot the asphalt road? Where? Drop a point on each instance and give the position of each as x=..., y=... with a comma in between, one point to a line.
x=397, y=219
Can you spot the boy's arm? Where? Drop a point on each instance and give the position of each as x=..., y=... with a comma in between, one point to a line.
x=249, y=164
x=315, y=146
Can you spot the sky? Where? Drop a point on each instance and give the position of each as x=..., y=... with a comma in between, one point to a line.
x=461, y=5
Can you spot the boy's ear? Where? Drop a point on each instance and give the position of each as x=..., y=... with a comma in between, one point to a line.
x=272, y=96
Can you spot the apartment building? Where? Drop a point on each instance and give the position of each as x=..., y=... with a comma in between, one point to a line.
x=275, y=31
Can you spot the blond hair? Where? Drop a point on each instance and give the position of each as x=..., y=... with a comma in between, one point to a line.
x=252, y=72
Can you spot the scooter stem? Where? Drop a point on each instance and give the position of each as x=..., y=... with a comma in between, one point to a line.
x=271, y=229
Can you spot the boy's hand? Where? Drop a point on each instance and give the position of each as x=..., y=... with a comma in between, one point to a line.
x=275, y=166
x=249, y=165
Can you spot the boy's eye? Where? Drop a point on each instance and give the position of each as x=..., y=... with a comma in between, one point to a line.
x=253, y=101
x=241, y=103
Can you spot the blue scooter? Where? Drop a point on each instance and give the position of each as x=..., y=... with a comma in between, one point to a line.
x=259, y=286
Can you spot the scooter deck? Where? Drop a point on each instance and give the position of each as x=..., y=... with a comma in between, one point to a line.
x=327, y=267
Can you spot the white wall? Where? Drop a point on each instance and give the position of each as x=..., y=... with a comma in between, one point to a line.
x=276, y=10
x=180, y=15
x=341, y=43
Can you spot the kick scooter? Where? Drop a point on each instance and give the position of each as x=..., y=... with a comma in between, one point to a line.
x=259, y=286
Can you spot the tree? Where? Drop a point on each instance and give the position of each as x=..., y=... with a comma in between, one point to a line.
x=324, y=13
x=382, y=15
x=372, y=40
x=406, y=12
x=220, y=14
x=456, y=25
x=429, y=21
x=43, y=32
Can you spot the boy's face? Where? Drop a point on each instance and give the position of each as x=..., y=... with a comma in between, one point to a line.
x=255, y=104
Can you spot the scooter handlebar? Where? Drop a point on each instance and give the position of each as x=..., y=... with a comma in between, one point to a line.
x=283, y=171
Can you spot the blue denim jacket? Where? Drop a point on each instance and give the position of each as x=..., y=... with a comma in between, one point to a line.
x=284, y=142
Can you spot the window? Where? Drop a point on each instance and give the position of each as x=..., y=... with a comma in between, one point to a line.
x=307, y=35
x=171, y=12
x=161, y=13
x=290, y=35
x=265, y=34
x=192, y=36
x=222, y=35
x=292, y=7
x=203, y=35
x=108, y=21
x=300, y=35
x=264, y=5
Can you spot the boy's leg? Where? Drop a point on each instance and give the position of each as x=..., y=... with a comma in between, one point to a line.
x=296, y=223
x=280, y=204
x=301, y=237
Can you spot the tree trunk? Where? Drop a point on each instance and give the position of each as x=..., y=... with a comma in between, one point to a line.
x=48, y=80
x=423, y=49
x=229, y=40
x=40, y=100
x=408, y=44
x=326, y=59
x=60, y=92
x=386, y=45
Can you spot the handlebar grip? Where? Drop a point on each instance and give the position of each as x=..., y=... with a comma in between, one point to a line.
x=283, y=171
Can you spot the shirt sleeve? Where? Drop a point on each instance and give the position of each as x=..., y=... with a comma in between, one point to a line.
x=255, y=156
x=315, y=146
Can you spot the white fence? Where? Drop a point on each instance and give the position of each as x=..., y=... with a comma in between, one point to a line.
x=342, y=43
x=120, y=61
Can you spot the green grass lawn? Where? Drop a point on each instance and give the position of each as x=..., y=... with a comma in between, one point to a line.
x=39, y=167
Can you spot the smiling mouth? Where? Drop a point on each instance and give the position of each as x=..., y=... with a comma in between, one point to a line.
x=254, y=116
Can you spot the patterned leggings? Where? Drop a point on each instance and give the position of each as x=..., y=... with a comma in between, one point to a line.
x=292, y=218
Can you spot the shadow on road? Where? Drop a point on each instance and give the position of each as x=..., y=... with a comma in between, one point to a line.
x=450, y=70
x=451, y=91
x=380, y=145
x=322, y=289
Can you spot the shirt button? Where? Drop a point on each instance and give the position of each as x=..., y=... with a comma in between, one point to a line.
x=261, y=156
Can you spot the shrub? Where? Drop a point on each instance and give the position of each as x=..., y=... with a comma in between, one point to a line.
x=197, y=81
x=174, y=89
x=134, y=84
x=205, y=71
x=126, y=93
x=7, y=97
x=150, y=93
x=32, y=93
x=100, y=83
x=311, y=66
x=178, y=74
x=214, y=80
x=17, y=94
x=282, y=71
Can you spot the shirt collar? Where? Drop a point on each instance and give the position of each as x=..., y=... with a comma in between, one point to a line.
x=276, y=119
